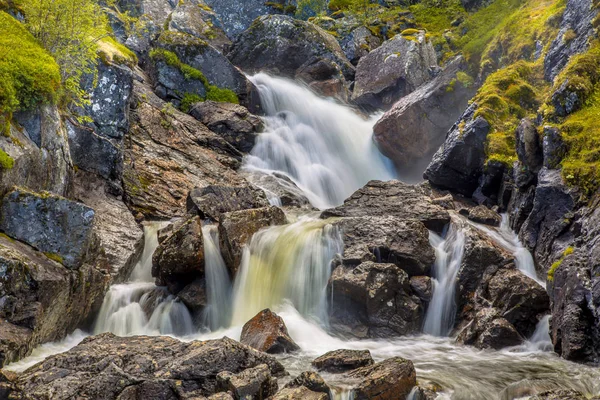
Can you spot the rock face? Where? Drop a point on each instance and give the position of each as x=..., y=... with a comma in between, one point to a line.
x=280, y=189
x=231, y=121
x=343, y=360
x=213, y=200
x=392, y=198
x=374, y=300
x=168, y=153
x=143, y=367
x=359, y=43
x=254, y=382
x=238, y=15
x=577, y=18
x=267, y=332
x=458, y=164
x=529, y=151
x=40, y=299
x=482, y=215
x=52, y=224
x=416, y=125
x=282, y=44
x=387, y=240
x=393, y=70
x=196, y=18
x=393, y=378
x=237, y=228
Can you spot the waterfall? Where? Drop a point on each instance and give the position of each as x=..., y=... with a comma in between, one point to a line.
x=139, y=307
x=541, y=340
x=217, y=313
x=449, y=251
x=288, y=262
x=324, y=147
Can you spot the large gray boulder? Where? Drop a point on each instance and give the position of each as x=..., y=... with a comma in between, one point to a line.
x=393, y=70
x=237, y=15
x=415, y=127
x=282, y=44
x=54, y=225
x=392, y=198
x=142, y=367
x=458, y=164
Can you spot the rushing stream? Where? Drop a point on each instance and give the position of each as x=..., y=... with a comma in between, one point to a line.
x=326, y=149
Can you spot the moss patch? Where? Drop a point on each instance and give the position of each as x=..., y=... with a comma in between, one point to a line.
x=6, y=161
x=557, y=263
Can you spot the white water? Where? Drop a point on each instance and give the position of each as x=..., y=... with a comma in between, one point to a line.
x=324, y=147
x=218, y=285
x=449, y=251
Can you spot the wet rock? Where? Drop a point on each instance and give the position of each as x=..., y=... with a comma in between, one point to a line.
x=343, y=360
x=168, y=153
x=279, y=189
x=422, y=287
x=519, y=207
x=416, y=125
x=267, y=332
x=323, y=77
x=359, y=43
x=577, y=18
x=392, y=198
x=153, y=366
x=213, y=200
x=282, y=44
x=252, y=383
x=299, y=393
x=309, y=380
x=393, y=70
x=231, y=121
x=387, y=240
x=559, y=394
x=40, y=299
x=393, y=378
x=237, y=228
x=458, y=164
x=374, y=300
x=51, y=224
x=194, y=295
x=488, y=330
x=553, y=147
x=529, y=151
x=181, y=255
x=482, y=215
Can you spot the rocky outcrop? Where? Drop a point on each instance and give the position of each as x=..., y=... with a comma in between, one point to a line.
x=374, y=300
x=393, y=70
x=279, y=188
x=237, y=228
x=392, y=198
x=212, y=201
x=577, y=20
x=343, y=360
x=267, y=332
x=458, y=164
x=145, y=367
x=309, y=380
x=54, y=225
x=168, y=153
x=529, y=152
x=416, y=125
x=237, y=15
x=282, y=44
x=393, y=378
x=196, y=18
x=256, y=382
x=358, y=43
x=482, y=215
x=387, y=240
x=231, y=121
x=40, y=299
x=299, y=393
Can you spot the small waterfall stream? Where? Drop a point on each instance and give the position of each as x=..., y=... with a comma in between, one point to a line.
x=217, y=313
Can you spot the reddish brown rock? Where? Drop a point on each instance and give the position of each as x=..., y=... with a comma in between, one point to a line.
x=267, y=332
x=392, y=379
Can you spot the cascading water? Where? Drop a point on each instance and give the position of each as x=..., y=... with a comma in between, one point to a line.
x=324, y=147
x=217, y=313
x=289, y=262
x=449, y=251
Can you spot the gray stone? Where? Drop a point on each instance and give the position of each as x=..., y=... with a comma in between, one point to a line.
x=238, y=15
x=213, y=200
x=359, y=43
x=390, y=379
x=343, y=360
x=553, y=147
x=529, y=151
x=196, y=18
x=251, y=383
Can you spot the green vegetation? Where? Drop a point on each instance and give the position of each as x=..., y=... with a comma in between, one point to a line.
x=6, y=161
x=28, y=74
x=557, y=263
x=310, y=8
x=112, y=51
x=188, y=100
x=54, y=257
x=215, y=93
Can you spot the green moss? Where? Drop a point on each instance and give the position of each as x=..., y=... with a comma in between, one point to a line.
x=111, y=50
x=29, y=76
x=465, y=79
x=409, y=32
x=558, y=263
x=54, y=257
x=171, y=59
x=215, y=93
x=188, y=100
x=6, y=161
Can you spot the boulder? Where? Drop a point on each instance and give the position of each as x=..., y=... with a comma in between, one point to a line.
x=554, y=148
x=458, y=164
x=416, y=125
x=231, y=121
x=343, y=360
x=281, y=45
x=422, y=287
x=529, y=151
x=299, y=393
x=251, y=383
x=387, y=240
x=374, y=300
x=309, y=380
x=392, y=198
x=140, y=367
x=40, y=299
x=194, y=295
x=279, y=189
x=358, y=43
x=180, y=257
x=393, y=70
x=54, y=225
x=237, y=228
x=488, y=330
x=196, y=18
x=212, y=201
x=577, y=18
x=324, y=77
x=237, y=15
x=267, y=332
x=393, y=378
x=168, y=153
x=482, y=215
